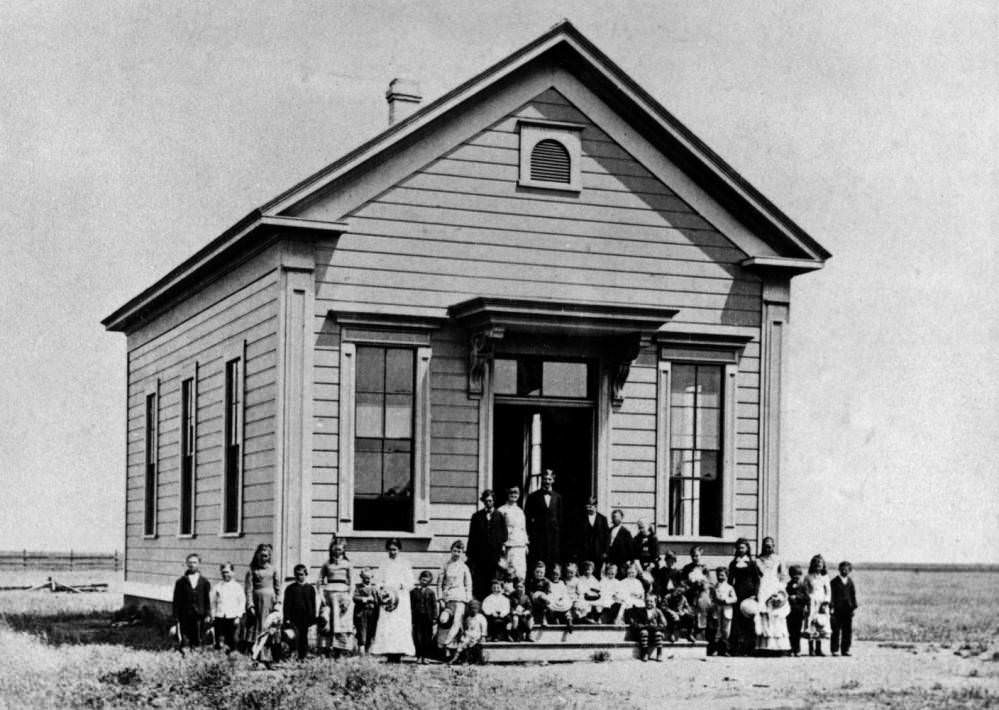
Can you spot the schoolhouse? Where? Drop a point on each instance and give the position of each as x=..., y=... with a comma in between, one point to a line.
x=543, y=268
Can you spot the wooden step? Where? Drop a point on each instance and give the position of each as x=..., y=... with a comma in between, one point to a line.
x=562, y=652
x=587, y=642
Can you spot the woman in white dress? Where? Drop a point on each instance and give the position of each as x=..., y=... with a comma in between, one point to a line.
x=394, y=634
x=455, y=584
x=516, y=533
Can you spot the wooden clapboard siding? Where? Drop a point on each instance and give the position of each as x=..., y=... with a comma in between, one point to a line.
x=450, y=232
x=460, y=227
x=205, y=329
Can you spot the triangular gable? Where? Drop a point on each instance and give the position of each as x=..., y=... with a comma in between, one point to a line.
x=565, y=48
x=561, y=58
x=461, y=226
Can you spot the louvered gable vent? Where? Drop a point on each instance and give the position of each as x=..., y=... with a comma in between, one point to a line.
x=550, y=162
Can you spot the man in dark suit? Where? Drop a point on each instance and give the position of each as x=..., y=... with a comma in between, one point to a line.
x=486, y=537
x=543, y=510
x=592, y=537
x=621, y=549
x=191, y=603
x=844, y=603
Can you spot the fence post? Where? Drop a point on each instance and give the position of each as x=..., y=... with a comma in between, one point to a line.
x=24, y=559
x=116, y=560
x=71, y=560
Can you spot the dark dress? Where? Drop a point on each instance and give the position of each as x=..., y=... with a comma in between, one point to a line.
x=592, y=541
x=190, y=607
x=646, y=548
x=423, y=605
x=299, y=609
x=544, y=530
x=743, y=578
x=621, y=550
x=486, y=537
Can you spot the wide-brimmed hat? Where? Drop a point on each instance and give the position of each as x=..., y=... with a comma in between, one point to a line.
x=388, y=599
x=445, y=619
x=749, y=607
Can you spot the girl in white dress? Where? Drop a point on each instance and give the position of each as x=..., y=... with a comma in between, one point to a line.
x=516, y=533
x=819, y=593
x=394, y=634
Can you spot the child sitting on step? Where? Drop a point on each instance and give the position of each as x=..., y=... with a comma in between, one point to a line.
x=538, y=588
x=473, y=633
x=650, y=625
x=558, y=601
x=496, y=609
x=521, y=615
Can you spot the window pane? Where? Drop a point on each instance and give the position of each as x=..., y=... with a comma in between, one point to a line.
x=504, y=376
x=367, y=473
x=682, y=381
x=399, y=370
x=709, y=384
x=370, y=370
x=398, y=474
x=564, y=379
x=369, y=422
x=708, y=429
x=398, y=416
x=529, y=378
x=681, y=427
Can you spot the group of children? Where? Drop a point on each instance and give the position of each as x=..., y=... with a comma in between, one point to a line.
x=744, y=608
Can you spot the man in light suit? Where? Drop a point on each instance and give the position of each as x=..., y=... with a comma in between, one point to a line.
x=543, y=510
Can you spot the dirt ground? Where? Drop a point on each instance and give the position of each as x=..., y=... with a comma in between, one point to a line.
x=875, y=676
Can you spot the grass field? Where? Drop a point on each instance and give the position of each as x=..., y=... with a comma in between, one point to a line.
x=60, y=650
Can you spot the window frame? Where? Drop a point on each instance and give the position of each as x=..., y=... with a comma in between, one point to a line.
x=420, y=344
x=188, y=445
x=729, y=360
x=237, y=409
x=151, y=460
x=568, y=135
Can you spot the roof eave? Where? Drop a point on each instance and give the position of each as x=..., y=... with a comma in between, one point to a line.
x=248, y=230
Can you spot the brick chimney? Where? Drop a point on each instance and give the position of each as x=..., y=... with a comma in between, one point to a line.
x=403, y=98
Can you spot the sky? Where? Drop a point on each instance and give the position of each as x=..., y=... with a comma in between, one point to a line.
x=132, y=133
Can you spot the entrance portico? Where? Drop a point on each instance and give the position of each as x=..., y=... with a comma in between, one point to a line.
x=547, y=375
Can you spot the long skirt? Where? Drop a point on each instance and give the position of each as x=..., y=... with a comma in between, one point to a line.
x=263, y=603
x=394, y=634
x=448, y=638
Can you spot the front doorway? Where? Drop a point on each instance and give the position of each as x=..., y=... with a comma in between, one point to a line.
x=544, y=418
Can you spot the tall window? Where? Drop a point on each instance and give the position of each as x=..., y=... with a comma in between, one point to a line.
x=151, y=460
x=188, y=437
x=233, y=479
x=383, y=439
x=695, y=426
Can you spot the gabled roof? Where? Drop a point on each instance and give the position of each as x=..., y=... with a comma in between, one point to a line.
x=564, y=45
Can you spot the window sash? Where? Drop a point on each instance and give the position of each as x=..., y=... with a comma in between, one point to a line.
x=416, y=504
x=188, y=439
x=695, y=447
x=151, y=460
x=384, y=439
x=232, y=485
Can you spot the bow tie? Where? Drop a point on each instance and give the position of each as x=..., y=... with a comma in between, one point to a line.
x=189, y=573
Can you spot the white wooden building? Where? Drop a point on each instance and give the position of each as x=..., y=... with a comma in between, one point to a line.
x=542, y=268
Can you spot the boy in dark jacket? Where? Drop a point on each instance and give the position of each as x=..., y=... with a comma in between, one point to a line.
x=797, y=600
x=844, y=603
x=299, y=609
x=191, y=603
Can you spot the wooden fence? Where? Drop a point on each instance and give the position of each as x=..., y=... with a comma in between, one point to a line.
x=72, y=560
